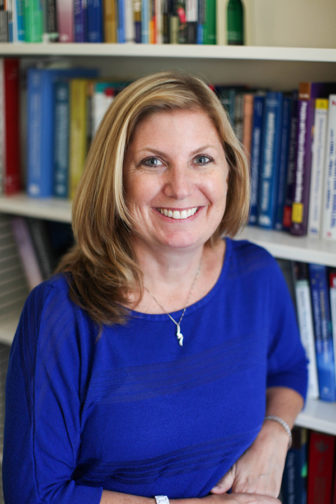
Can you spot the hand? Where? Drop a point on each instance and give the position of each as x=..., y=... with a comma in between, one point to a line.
x=259, y=470
x=240, y=498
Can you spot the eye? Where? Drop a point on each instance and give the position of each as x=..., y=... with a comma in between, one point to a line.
x=202, y=159
x=151, y=162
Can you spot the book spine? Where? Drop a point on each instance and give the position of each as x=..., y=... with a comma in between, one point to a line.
x=78, y=131
x=50, y=31
x=121, y=22
x=18, y=21
x=323, y=332
x=137, y=21
x=12, y=160
x=329, y=210
x=320, y=468
x=256, y=150
x=33, y=21
x=110, y=21
x=332, y=295
x=129, y=23
x=65, y=20
x=270, y=160
x=26, y=251
x=283, y=162
x=80, y=21
x=247, y=122
x=40, y=239
x=290, y=187
x=201, y=21
x=61, y=140
x=182, y=21
x=305, y=320
x=317, y=170
x=4, y=29
x=294, y=484
x=34, y=131
x=95, y=21
x=209, y=34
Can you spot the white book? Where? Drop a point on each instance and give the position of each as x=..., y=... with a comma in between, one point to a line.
x=332, y=293
x=318, y=167
x=305, y=319
x=329, y=193
x=221, y=22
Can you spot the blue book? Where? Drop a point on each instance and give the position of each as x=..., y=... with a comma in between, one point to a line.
x=40, y=126
x=283, y=163
x=294, y=481
x=325, y=360
x=18, y=32
x=256, y=150
x=80, y=21
x=269, y=172
x=95, y=32
x=144, y=21
x=61, y=138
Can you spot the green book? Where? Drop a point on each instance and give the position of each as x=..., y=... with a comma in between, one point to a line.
x=33, y=20
x=209, y=33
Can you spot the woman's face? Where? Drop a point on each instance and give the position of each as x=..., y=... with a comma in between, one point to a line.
x=175, y=176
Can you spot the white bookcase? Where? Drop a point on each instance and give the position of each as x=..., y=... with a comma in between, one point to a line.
x=276, y=67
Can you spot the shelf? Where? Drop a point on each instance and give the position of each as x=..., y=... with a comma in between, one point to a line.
x=170, y=51
x=47, y=208
x=319, y=416
x=286, y=246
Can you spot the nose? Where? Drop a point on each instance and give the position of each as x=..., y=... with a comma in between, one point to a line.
x=179, y=182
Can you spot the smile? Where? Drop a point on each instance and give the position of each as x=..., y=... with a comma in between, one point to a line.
x=178, y=214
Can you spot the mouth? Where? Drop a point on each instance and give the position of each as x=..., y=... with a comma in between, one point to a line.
x=178, y=214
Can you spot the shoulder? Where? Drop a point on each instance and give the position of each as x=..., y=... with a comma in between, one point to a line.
x=249, y=257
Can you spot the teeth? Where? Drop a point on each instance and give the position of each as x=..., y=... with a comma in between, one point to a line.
x=178, y=214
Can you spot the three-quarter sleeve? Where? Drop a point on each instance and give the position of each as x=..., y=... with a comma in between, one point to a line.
x=43, y=406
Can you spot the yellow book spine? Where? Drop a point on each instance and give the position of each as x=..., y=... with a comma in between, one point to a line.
x=78, y=131
x=110, y=21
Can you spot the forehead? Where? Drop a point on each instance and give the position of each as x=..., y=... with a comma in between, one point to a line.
x=162, y=125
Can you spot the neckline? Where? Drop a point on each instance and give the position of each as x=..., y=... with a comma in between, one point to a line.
x=198, y=304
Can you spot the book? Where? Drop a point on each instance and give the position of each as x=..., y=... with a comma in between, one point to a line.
x=38, y=230
x=318, y=167
x=10, y=159
x=320, y=468
x=182, y=21
x=33, y=21
x=329, y=192
x=308, y=92
x=220, y=22
x=283, y=162
x=137, y=20
x=61, y=139
x=294, y=481
x=121, y=21
x=18, y=28
x=247, y=122
x=110, y=20
x=26, y=251
x=40, y=126
x=306, y=325
x=79, y=125
x=332, y=296
x=269, y=169
x=50, y=30
x=324, y=348
x=256, y=152
x=129, y=24
x=95, y=21
x=103, y=95
x=289, y=191
x=65, y=20
x=80, y=28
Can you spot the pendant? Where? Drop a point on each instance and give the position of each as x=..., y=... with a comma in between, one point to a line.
x=179, y=335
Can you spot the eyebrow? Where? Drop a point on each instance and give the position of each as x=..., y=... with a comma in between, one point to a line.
x=161, y=153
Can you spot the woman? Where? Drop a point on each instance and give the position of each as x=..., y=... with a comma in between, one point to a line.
x=163, y=359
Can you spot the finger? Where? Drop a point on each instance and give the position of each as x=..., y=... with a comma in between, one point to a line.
x=226, y=482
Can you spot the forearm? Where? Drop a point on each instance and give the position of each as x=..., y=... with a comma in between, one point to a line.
x=119, y=498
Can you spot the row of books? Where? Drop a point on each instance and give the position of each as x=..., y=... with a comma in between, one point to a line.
x=313, y=289
x=114, y=21
x=290, y=138
x=310, y=470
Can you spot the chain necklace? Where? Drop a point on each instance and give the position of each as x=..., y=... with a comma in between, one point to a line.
x=179, y=335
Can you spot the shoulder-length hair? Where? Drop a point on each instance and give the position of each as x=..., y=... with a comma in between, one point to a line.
x=102, y=266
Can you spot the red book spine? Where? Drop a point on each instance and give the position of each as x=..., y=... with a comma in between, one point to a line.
x=12, y=169
x=320, y=468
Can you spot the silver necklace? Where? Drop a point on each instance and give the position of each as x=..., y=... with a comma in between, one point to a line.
x=179, y=335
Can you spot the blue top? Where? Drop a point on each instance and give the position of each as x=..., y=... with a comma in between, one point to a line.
x=134, y=412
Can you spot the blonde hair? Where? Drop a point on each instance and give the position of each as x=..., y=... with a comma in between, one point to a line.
x=102, y=263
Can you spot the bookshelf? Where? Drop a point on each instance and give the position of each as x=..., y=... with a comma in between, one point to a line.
x=277, y=67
